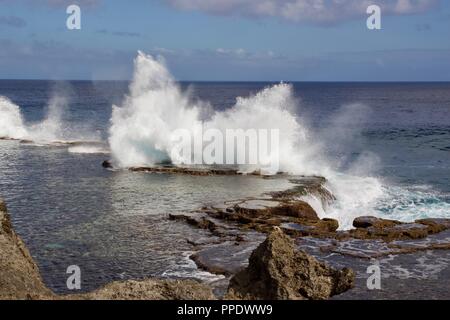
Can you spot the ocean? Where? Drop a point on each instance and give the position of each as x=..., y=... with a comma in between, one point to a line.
x=386, y=147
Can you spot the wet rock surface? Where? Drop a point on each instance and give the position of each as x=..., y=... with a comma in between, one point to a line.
x=277, y=271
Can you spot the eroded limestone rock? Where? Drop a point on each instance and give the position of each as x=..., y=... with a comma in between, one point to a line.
x=277, y=271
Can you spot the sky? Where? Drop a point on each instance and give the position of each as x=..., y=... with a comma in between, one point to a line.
x=228, y=40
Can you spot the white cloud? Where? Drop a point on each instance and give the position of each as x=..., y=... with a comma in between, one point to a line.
x=309, y=11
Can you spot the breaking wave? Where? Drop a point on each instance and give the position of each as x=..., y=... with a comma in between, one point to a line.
x=142, y=128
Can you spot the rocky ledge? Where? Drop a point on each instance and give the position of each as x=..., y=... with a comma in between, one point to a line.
x=188, y=170
x=296, y=217
x=276, y=270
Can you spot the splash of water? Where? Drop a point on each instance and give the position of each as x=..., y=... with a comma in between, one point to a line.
x=142, y=128
x=11, y=122
x=52, y=129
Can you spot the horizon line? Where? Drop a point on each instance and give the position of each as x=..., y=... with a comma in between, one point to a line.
x=242, y=81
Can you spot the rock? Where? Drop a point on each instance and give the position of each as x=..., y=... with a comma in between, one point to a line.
x=107, y=164
x=389, y=230
x=194, y=171
x=19, y=274
x=3, y=206
x=328, y=225
x=369, y=221
x=151, y=289
x=297, y=209
x=435, y=225
x=278, y=271
x=226, y=258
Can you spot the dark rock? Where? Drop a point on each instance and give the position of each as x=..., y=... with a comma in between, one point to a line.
x=277, y=271
x=193, y=171
x=107, y=164
x=3, y=206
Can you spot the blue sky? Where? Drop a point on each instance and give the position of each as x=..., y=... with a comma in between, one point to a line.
x=259, y=40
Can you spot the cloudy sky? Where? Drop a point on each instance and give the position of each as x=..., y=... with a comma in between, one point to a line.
x=260, y=40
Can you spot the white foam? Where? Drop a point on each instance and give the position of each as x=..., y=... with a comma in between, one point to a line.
x=52, y=130
x=11, y=122
x=87, y=149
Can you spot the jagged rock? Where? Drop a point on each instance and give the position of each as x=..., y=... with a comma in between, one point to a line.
x=3, y=206
x=19, y=275
x=277, y=270
x=151, y=289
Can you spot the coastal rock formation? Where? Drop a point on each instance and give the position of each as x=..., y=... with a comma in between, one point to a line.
x=284, y=209
x=288, y=210
x=19, y=275
x=277, y=271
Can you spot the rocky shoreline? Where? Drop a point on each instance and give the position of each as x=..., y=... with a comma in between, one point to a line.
x=280, y=271
x=266, y=247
